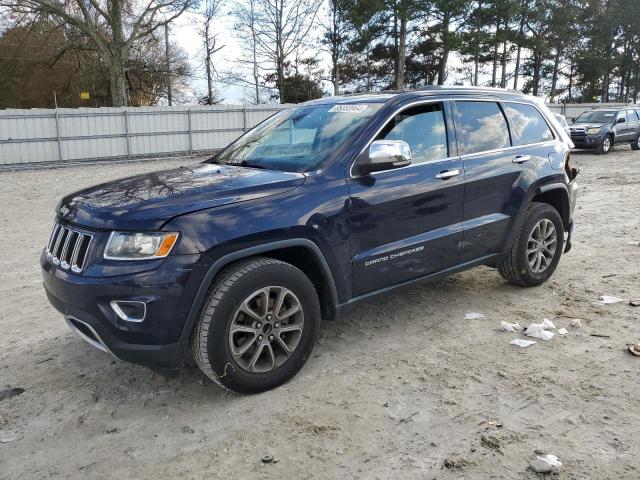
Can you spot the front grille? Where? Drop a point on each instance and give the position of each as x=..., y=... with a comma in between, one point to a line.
x=68, y=248
x=578, y=132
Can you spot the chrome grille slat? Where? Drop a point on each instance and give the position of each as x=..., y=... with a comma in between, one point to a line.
x=54, y=252
x=68, y=248
x=76, y=250
x=65, y=248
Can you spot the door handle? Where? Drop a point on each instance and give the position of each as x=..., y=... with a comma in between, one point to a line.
x=448, y=174
x=521, y=158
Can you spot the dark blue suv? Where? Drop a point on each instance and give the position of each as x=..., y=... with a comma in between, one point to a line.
x=323, y=205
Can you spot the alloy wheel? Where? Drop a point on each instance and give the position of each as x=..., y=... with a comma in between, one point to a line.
x=606, y=144
x=542, y=245
x=266, y=329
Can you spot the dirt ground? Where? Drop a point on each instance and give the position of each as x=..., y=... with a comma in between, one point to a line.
x=403, y=387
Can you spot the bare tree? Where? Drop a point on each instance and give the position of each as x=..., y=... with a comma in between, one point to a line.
x=247, y=24
x=281, y=28
x=111, y=27
x=210, y=43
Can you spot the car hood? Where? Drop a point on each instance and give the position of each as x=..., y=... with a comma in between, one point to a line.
x=146, y=202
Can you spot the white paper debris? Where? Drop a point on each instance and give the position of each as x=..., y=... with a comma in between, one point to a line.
x=473, y=316
x=522, y=343
x=562, y=331
x=576, y=323
x=635, y=243
x=608, y=299
x=545, y=463
x=536, y=330
x=511, y=327
x=546, y=323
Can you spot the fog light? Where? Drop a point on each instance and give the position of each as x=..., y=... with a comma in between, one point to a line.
x=129, y=310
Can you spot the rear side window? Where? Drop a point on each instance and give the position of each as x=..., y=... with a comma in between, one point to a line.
x=483, y=127
x=527, y=124
x=423, y=128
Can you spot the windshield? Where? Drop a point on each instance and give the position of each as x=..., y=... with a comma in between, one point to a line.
x=597, y=116
x=297, y=139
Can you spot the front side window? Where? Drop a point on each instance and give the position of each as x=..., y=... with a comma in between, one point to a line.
x=483, y=127
x=298, y=139
x=621, y=114
x=527, y=124
x=632, y=116
x=423, y=128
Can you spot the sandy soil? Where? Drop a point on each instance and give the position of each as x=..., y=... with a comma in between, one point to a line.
x=396, y=389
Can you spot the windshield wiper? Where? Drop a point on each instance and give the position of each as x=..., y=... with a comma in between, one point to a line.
x=250, y=164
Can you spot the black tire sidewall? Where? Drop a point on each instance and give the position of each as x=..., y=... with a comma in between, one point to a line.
x=550, y=213
x=226, y=369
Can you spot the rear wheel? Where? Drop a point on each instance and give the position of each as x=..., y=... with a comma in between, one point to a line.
x=258, y=327
x=605, y=145
x=636, y=145
x=535, y=249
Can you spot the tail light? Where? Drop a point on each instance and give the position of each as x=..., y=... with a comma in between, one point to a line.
x=571, y=171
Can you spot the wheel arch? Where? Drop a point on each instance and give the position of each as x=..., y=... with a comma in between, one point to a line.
x=556, y=195
x=301, y=253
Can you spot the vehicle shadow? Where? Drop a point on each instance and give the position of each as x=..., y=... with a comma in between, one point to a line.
x=432, y=307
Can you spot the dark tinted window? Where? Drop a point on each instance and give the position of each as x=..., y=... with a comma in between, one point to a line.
x=527, y=124
x=597, y=116
x=483, y=127
x=423, y=128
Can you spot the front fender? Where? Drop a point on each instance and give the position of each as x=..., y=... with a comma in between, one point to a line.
x=261, y=249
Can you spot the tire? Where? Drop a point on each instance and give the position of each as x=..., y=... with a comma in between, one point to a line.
x=516, y=267
x=636, y=145
x=605, y=146
x=237, y=299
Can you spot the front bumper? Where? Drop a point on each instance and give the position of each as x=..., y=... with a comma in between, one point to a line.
x=587, y=141
x=158, y=342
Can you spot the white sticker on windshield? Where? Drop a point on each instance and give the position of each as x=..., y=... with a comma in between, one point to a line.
x=608, y=114
x=349, y=108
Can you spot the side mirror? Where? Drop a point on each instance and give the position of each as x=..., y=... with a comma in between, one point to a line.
x=621, y=120
x=573, y=119
x=385, y=155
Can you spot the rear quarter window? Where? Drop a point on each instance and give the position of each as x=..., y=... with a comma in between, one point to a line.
x=527, y=124
x=482, y=127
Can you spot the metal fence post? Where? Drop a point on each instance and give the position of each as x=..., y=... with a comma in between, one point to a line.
x=58, y=134
x=190, y=133
x=244, y=119
x=126, y=132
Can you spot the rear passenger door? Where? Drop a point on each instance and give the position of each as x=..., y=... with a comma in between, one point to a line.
x=499, y=162
x=634, y=124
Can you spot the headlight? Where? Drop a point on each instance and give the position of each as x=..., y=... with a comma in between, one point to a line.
x=593, y=130
x=139, y=246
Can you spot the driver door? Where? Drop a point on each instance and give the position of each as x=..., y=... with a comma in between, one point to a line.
x=406, y=223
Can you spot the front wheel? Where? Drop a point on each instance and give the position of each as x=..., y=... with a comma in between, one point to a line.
x=536, y=248
x=605, y=146
x=258, y=327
